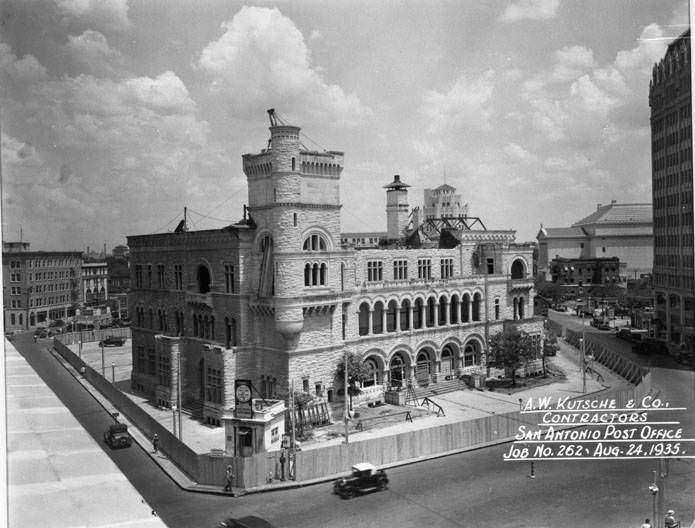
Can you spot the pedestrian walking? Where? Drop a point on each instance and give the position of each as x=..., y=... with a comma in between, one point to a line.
x=228, y=478
x=670, y=519
x=646, y=524
x=155, y=443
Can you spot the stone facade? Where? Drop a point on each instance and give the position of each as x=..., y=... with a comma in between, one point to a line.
x=277, y=299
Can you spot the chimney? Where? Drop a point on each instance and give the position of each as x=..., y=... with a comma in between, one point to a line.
x=397, y=178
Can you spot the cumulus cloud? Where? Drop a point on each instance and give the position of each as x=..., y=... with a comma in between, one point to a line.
x=650, y=48
x=110, y=14
x=262, y=59
x=530, y=10
x=91, y=53
x=466, y=103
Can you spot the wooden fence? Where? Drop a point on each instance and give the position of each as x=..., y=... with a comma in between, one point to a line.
x=331, y=460
x=87, y=336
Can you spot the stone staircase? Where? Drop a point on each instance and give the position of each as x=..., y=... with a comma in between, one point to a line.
x=437, y=389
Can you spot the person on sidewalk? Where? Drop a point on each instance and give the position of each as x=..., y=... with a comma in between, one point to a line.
x=155, y=443
x=228, y=478
x=670, y=519
x=646, y=524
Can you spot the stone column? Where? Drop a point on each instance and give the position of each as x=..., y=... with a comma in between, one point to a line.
x=384, y=328
x=470, y=310
x=370, y=320
x=398, y=318
x=447, y=313
x=423, y=317
x=410, y=317
x=436, y=313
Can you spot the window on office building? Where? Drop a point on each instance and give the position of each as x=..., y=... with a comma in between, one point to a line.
x=229, y=278
x=178, y=277
x=447, y=268
x=161, y=279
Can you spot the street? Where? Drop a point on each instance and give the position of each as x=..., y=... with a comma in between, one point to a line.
x=472, y=489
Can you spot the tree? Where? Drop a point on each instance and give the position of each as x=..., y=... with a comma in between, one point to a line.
x=511, y=349
x=357, y=373
x=550, y=347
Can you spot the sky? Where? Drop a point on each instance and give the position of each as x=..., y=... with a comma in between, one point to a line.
x=117, y=114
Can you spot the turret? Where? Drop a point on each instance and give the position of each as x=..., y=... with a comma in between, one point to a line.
x=396, y=208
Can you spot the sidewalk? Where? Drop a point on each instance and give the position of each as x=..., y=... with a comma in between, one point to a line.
x=53, y=464
x=458, y=406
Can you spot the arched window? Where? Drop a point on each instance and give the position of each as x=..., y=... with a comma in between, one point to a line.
x=372, y=374
x=314, y=274
x=195, y=325
x=203, y=277
x=364, y=319
x=404, y=311
x=429, y=313
x=518, y=269
x=521, y=307
x=322, y=278
x=442, y=311
x=391, y=314
x=453, y=309
x=307, y=274
x=417, y=313
x=378, y=318
x=476, y=307
x=315, y=242
x=465, y=309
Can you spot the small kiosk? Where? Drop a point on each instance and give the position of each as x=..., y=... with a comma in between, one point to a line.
x=255, y=425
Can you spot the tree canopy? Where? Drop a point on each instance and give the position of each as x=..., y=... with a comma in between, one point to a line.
x=511, y=349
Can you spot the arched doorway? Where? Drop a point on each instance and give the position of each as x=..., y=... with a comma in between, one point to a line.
x=471, y=354
x=448, y=359
x=423, y=366
x=397, y=370
x=373, y=374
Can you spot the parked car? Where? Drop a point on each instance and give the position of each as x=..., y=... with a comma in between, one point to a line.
x=250, y=521
x=560, y=308
x=112, y=341
x=365, y=477
x=604, y=326
x=117, y=435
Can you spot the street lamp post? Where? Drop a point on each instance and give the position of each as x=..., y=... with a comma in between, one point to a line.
x=103, y=369
x=113, y=372
x=173, y=419
x=654, y=490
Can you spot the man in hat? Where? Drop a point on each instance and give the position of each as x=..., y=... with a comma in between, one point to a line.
x=670, y=520
x=155, y=443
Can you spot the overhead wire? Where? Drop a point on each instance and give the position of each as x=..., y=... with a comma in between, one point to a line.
x=165, y=225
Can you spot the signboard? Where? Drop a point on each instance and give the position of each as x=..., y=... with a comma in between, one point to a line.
x=242, y=399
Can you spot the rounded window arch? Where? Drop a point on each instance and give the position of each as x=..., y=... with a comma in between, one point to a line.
x=315, y=241
x=518, y=269
x=203, y=278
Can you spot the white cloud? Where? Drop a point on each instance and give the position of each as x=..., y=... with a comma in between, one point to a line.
x=519, y=153
x=110, y=14
x=650, y=48
x=92, y=54
x=466, y=103
x=530, y=10
x=262, y=58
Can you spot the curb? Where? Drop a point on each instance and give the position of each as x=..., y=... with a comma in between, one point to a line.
x=194, y=487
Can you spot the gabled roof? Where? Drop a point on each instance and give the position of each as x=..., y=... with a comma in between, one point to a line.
x=618, y=214
x=445, y=187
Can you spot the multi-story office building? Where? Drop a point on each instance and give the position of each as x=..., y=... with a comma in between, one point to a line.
x=95, y=289
x=276, y=299
x=672, y=190
x=38, y=286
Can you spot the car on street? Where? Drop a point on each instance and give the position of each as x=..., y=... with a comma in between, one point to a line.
x=112, y=341
x=560, y=308
x=117, y=435
x=365, y=477
x=250, y=521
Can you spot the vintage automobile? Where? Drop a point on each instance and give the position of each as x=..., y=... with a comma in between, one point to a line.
x=117, y=435
x=250, y=521
x=112, y=341
x=365, y=477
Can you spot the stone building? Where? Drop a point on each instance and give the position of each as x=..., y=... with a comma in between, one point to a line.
x=672, y=195
x=279, y=300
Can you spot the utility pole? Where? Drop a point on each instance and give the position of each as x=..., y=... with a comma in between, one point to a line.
x=345, y=383
x=178, y=392
x=103, y=371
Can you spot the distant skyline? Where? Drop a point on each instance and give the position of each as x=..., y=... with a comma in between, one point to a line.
x=116, y=114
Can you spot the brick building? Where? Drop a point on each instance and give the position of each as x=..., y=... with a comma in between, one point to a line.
x=672, y=192
x=95, y=289
x=277, y=299
x=38, y=286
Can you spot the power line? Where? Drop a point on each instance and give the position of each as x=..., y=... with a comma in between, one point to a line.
x=165, y=225
x=204, y=217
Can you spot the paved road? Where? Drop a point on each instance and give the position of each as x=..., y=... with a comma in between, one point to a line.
x=473, y=489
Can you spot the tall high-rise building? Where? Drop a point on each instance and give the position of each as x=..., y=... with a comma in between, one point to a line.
x=672, y=192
